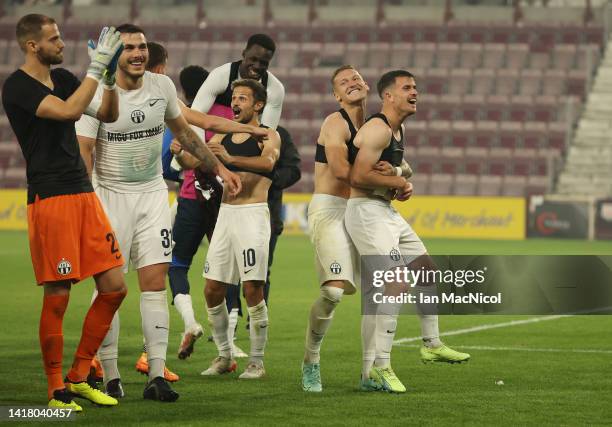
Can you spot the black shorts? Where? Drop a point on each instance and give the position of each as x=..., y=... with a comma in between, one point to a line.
x=194, y=220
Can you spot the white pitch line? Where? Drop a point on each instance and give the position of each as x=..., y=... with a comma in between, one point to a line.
x=542, y=350
x=486, y=327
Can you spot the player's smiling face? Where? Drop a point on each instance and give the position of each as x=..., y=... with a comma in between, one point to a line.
x=50, y=47
x=404, y=95
x=349, y=87
x=255, y=62
x=135, y=55
x=243, y=104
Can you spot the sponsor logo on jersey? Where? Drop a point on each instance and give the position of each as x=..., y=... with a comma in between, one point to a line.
x=138, y=116
x=335, y=268
x=206, y=267
x=134, y=136
x=64, y=267
x=154, y=101
x=395, y=254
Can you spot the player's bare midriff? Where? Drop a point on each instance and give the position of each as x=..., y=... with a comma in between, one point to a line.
x=326, y=183
x=254, y=190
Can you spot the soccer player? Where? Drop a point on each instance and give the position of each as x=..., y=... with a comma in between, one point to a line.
x=376, y=228
x=335, y=256
x=214, y=97
x=239, y=246
x=128, y=179
x=70, y=236
x=158, y=57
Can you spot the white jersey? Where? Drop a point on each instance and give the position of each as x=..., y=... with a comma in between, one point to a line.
x=218, y=82
x=128, y=151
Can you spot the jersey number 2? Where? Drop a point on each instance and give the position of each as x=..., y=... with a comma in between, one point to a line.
x=110, y=237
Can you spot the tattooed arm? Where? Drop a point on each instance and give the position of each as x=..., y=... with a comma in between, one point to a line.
x=192, y=143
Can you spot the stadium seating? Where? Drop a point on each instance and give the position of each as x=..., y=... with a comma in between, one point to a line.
x=495, y=101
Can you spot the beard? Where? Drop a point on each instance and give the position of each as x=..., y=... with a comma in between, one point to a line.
x=125, y=69
x=246, y=117
x=50, y=59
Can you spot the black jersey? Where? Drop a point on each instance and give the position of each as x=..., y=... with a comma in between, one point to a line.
x=249, y=148
x=394, y=153
x=226, y=97
x=53, y=161
x=320, y=153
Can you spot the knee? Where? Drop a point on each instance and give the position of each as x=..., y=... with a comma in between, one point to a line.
x=214, y=292
x=253, y=289
x=118, y=286
x=332, y=294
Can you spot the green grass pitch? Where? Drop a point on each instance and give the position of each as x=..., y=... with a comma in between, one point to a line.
x=555, y=372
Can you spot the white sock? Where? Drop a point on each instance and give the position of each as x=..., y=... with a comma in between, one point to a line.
x=183, y=304
x=429, y=330
x=258, y=331
x=321, y=315
x=155, y=327
x=385, y=332
x=219, y=319
x=429, y=318
x=231, y=329
x=108, y=353
x=368, y=344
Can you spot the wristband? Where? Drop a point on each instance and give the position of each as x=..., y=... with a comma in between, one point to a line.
x=398, y=171
x=94, y=76
x=110, y=87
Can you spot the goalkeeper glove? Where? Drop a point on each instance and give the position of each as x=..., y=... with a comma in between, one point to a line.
x=109, y=45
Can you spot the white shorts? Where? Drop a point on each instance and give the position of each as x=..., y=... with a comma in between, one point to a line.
x=376, y=228
x=239, y=247
x=335, y=255
x=142, y=225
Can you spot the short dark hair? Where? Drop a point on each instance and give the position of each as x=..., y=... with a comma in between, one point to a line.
x=191, y=78
x=130, y=29
x=30, y=27
x=388, y=79
x=339, y=70
x=262, y=40
x=158, y=55
x=259, y=91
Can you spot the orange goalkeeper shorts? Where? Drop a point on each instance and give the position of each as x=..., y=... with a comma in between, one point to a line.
x=71, y=238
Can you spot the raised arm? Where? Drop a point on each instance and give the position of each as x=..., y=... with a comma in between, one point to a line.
x=218, y=124
x=54, y=108
x=214, y=85
x=274, y=106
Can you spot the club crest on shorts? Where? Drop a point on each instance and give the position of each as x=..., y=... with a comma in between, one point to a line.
x=138, y=116
x=64, y=267
x=335, y=268
x=395, y=254
x=206, y=267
